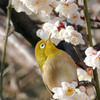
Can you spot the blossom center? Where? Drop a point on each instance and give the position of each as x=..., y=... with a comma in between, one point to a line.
x=69, y=91
x=99, y=57
x=75, y=16
x=67, y=5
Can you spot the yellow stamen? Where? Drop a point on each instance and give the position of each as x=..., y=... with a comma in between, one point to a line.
x=69, y=91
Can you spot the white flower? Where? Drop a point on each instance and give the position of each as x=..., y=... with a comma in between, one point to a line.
x=39, y=6
x=96, y=59
x=28, y=2
x=42, y=34
x=62, y=33
x=83, y=75
x=75, y=19
x=20, y=7
x=66, y=9
x=45, y=35
x=59, y=32
x=70, y=28
x=33, y=6
x=90, y=51
x=88, y=61
x=66, y=92
x=91, y=91
x=74, y=38
x=49, y=27
x=46, y=31
x=92, y=58
x=82, y=95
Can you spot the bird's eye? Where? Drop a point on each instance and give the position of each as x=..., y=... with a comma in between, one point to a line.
x=42, y=45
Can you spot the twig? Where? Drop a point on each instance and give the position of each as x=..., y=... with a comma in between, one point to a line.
x=80, y=57
x=5, y=45
x=93, y=27
x=93, y=20
x=88, y=27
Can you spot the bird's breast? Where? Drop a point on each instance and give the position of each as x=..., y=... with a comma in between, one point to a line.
x=57, y=69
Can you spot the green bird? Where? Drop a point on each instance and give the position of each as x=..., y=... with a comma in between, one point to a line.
x=56, y=65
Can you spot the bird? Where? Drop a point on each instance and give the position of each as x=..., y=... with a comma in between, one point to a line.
x=56, y=65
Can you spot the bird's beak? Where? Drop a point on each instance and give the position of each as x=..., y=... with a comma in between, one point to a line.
x=48, y=38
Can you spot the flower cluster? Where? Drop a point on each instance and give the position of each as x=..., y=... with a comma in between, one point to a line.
x=33, y=6
x=69, y=92
x=69, y=10
x=92, y=58
x=59, y=32
x=65, y=8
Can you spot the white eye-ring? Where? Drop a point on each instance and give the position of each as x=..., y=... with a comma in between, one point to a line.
x=42, y=45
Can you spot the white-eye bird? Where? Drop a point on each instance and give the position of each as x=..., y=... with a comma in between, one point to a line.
x=56, y=65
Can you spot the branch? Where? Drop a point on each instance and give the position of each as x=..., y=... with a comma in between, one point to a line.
x=5, y=45
x=93, y=20
x=95, y=27
x=88, y=27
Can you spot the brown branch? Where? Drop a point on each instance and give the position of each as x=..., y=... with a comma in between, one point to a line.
x=80, y=57
x=92, y=20
x=94, y=27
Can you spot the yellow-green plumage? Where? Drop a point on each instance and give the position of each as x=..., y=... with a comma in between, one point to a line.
x=56, y=65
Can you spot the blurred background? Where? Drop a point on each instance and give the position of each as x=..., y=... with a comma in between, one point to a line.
x=22, y=78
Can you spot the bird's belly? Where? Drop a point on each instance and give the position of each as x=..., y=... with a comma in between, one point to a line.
x=54, y=76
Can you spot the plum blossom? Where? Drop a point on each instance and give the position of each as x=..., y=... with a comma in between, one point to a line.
x=60, y=32
x=66, y=8
x=74, y=37
x=75, y=19
x=34, y=6
x=92, y=58
x=69, y=10
x=40, y=6
x=91, y=91
x=84, y=75
x=68, y=91
x=81, y=95
x=53, y=29
x=20, y=7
